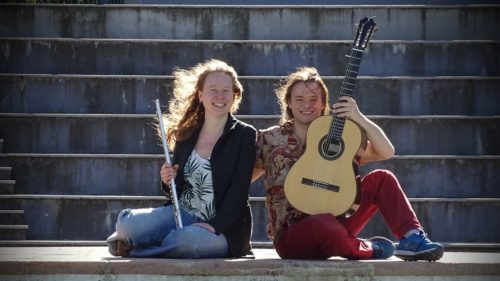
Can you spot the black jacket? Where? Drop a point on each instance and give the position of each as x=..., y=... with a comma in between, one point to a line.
x=232, y=162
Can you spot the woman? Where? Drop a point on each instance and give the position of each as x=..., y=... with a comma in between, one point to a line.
x=213, y=158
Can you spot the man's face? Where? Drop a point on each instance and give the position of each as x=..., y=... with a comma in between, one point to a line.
x=306, y=102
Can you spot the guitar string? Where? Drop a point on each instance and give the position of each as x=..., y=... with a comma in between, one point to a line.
x=346, y=89
x=338, y=128
x=331, y=138
x=349, y=79
x=338, y=122
x=343, y=88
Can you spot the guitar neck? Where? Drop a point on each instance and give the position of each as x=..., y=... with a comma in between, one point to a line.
x=347, y=89
x=351, y=74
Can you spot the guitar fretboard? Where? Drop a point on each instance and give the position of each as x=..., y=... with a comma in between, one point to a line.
x=347, y=89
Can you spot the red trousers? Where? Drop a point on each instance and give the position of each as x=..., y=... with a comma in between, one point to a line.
x=324, y=235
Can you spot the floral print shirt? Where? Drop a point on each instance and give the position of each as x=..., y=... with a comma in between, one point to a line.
x=198, y=196
x=278, y=148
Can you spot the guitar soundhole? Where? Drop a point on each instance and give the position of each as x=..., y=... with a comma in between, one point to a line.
x=330, y=149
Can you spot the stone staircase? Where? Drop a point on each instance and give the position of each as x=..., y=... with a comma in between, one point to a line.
x=12, y=225
x=77, y=84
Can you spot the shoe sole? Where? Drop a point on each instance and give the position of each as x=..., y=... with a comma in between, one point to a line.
x=122, y=248
x=374, y=238
x=430, y=255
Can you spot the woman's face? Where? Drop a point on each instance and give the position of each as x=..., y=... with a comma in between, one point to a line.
x=217, y=94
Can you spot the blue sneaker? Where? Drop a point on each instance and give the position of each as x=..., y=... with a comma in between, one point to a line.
x=418, y=247
x=382, y=247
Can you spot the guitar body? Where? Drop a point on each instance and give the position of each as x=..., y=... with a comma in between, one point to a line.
x=325, y=182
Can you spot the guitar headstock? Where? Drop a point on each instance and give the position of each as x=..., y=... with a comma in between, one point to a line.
x=366, y=27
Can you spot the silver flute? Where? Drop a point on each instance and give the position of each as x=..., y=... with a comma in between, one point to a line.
x=173, y=191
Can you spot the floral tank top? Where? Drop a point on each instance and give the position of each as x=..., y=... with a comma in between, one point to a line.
x=198, y=195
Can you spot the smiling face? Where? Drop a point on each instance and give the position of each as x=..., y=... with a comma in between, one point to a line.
x=306, y=102
x=217, y=94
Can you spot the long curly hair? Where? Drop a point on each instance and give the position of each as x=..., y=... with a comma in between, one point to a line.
x=284, y=90
x=186, y=111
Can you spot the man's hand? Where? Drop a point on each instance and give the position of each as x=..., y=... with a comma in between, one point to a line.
x=347, y=107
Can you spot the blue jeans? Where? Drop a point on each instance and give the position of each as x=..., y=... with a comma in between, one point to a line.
x=152, y=232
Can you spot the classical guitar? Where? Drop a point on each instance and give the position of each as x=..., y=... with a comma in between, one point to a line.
x=323, y=180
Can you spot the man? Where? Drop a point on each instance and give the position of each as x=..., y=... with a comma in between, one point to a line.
x=303, y=97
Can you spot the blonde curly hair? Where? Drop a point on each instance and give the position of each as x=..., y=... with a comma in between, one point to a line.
x=284, y=90
x=186, y=111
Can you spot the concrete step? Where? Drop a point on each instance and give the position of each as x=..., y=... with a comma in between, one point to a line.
x=396, y=95
x=448, y=219
x=134, y=133
x=456, y=176
x=306, y=3
x=13, y=232
x=53, y=217
x=420, y=176
x=62, y=132
x=90, y=173
x=7, y=186
x=95, y=263
x=159, y=57
x=250, y=22
x=11, y=217
x=256, y=245
x=5, y=173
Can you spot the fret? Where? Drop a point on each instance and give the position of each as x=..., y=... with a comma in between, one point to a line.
x=352, y=64
x=347, y=89
x=338, y=129
x=354, y=57
x=348, y=94
x=347, y=86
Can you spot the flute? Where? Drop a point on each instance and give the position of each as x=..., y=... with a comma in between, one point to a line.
x=173, y=191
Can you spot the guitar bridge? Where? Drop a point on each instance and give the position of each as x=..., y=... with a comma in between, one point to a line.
x=320, y=184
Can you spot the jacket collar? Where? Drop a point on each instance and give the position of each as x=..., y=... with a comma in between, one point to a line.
x=230, y=123
x=188, y=144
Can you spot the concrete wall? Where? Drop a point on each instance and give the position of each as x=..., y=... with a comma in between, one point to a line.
x=408, y=22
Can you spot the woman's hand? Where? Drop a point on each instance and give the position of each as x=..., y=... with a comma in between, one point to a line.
x=205, y=226
x=167, y=172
